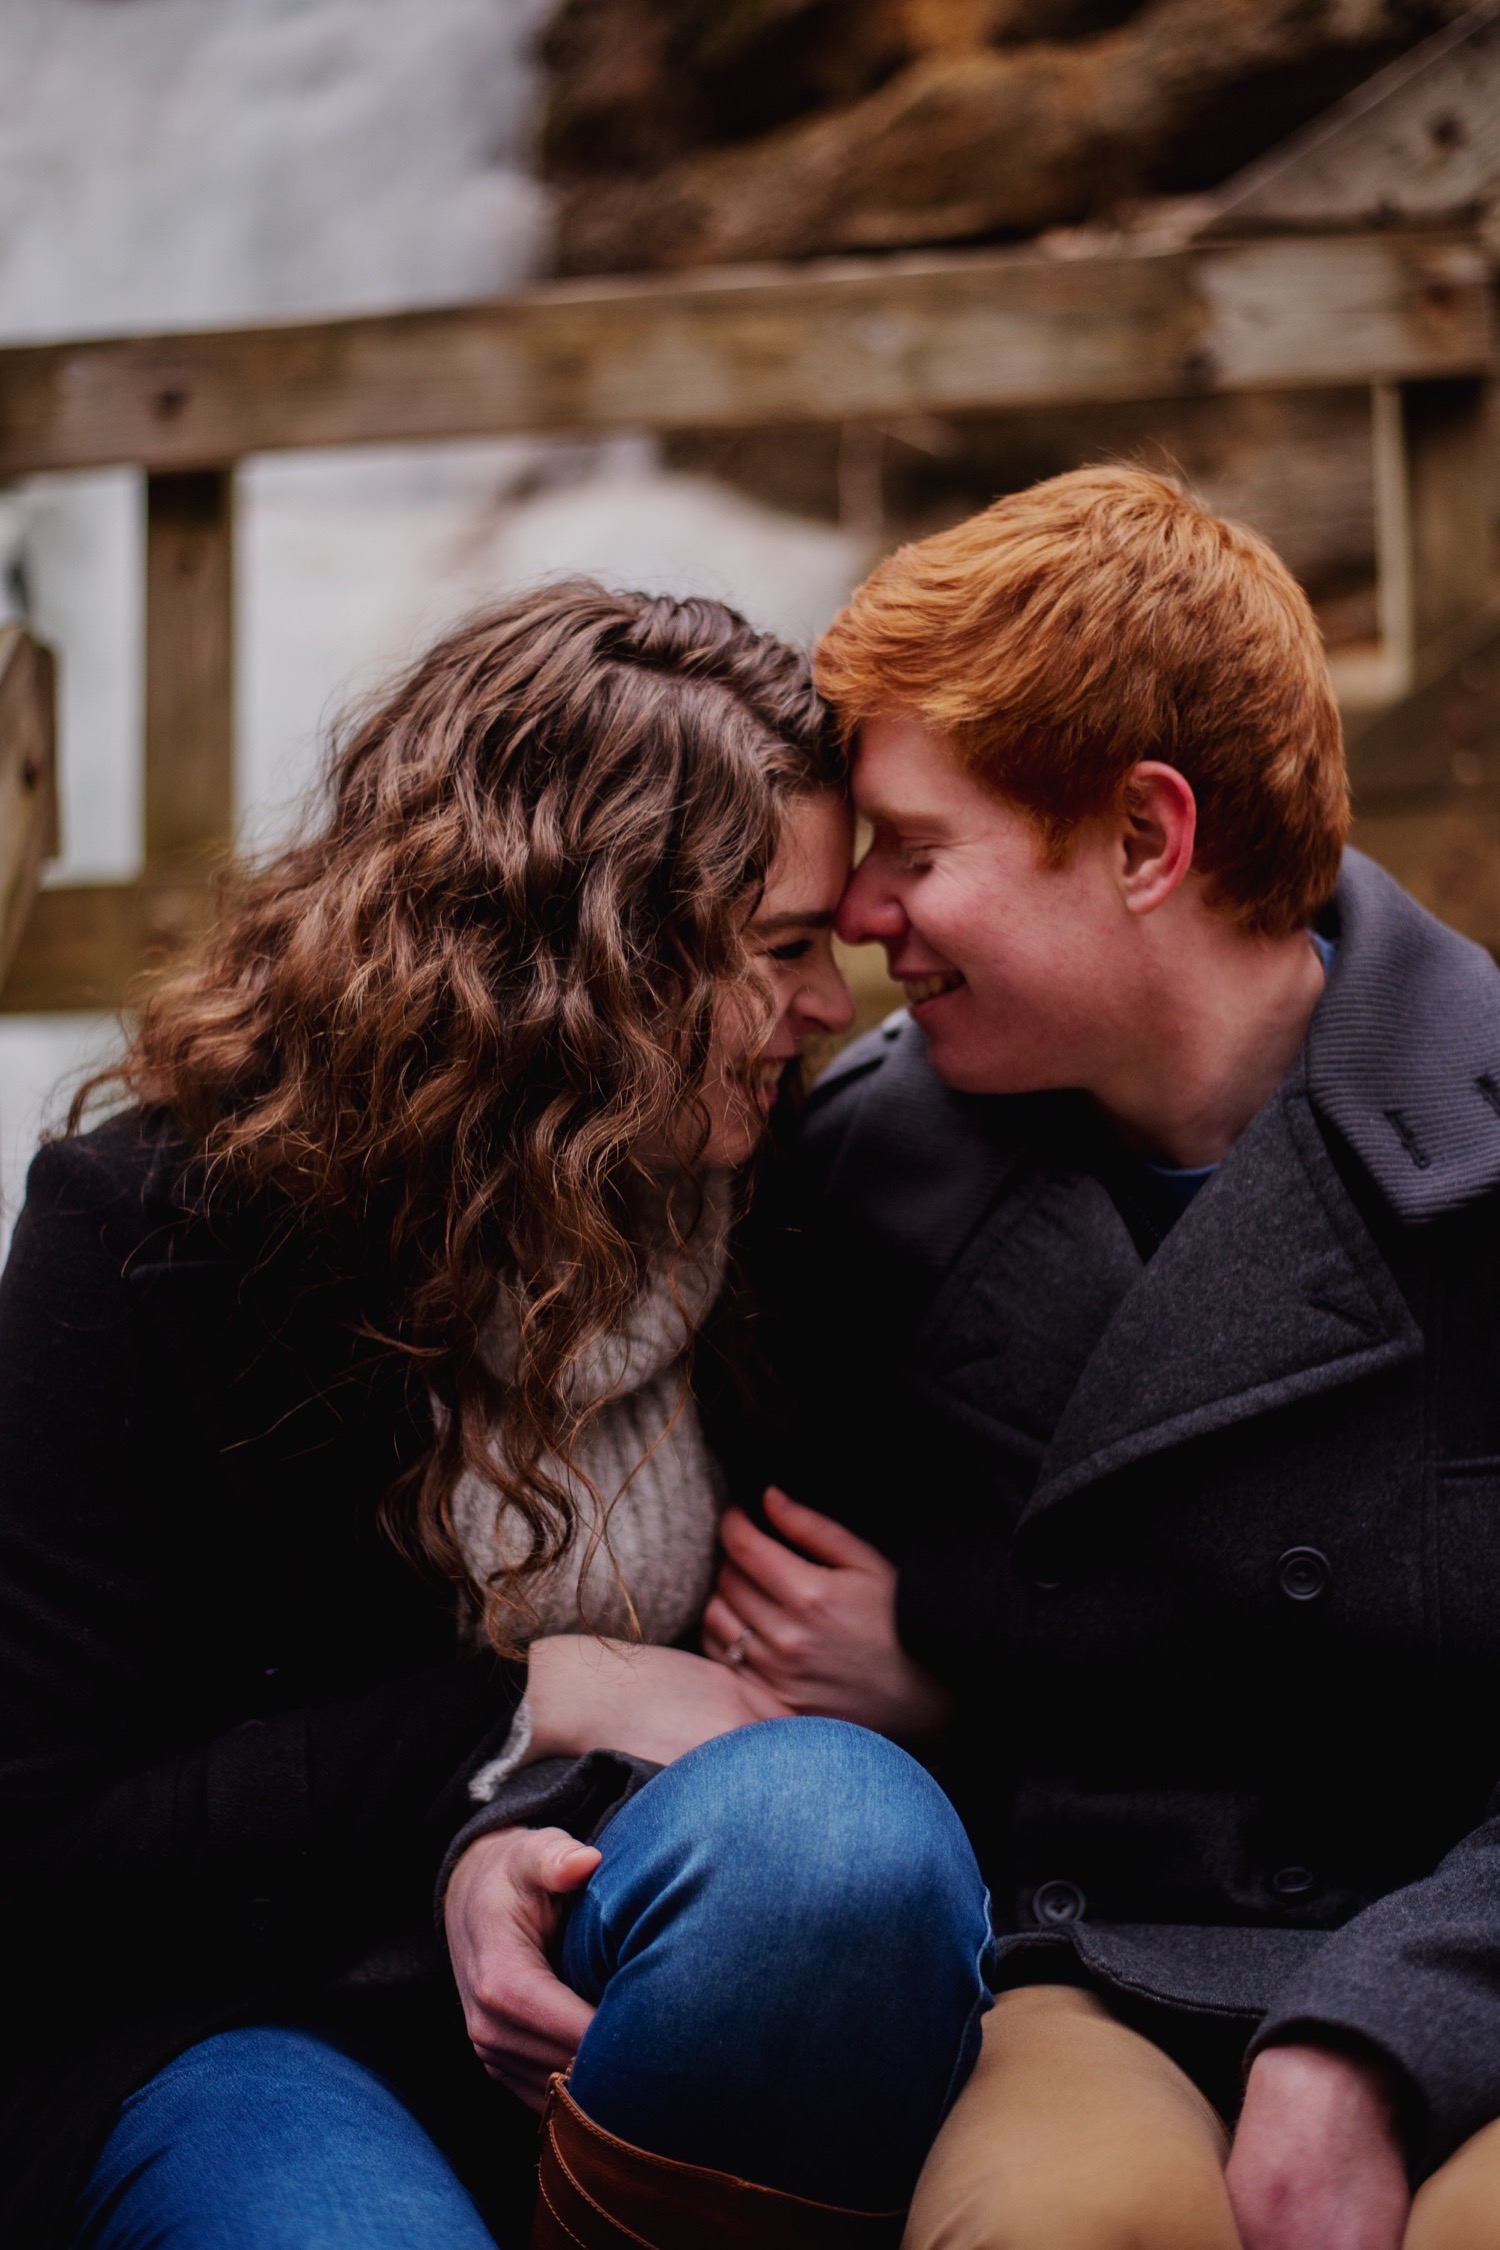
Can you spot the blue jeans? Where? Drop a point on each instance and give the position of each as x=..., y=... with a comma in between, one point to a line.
x=786, y=1942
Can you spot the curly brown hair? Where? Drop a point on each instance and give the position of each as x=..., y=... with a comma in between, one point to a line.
x=441, y=1030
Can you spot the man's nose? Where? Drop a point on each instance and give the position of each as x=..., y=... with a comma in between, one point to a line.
x=870, y=913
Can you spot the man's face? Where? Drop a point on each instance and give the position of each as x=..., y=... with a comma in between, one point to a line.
x=1014, y=969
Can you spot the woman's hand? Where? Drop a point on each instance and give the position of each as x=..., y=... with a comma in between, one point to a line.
x=503, y=1909
x=658, y=1703
x=819, y=1628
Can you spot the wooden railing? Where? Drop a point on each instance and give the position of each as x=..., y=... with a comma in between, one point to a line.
x=28, y=794
x=1406, y=314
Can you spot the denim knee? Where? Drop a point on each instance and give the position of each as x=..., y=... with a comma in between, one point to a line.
x=811, y=1818
x=862, y=1821
x=869, y=1831
x=269, y=2138
x=786, y=1941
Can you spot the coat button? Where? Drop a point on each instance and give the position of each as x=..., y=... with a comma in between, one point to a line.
x=1057, y=1902
x=1042, y=1566
x=1292, y=1882
x=1303, y=1574
x=260, y=1919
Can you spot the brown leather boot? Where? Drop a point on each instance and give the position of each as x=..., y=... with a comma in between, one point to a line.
x=597, y=2193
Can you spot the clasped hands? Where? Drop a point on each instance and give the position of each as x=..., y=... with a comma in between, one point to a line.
x=821, y=1638
x=1317, y=2161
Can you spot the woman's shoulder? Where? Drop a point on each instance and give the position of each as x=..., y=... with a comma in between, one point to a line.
x=99, y=1208
x=138, y=1161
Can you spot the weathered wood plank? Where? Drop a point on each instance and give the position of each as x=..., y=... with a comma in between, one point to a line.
x=1448, y=453
x=1427, y=782
x=189, y=664
x=836, y=342
x=86, y=945
x=1418, y=142
x=1447, y=855
x=1444, y=736
x=1432, y=458
x=28, y=779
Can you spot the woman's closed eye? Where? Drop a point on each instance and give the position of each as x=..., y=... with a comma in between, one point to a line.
x=795, y=949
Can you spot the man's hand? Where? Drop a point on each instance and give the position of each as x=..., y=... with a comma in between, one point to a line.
x=1317, y=2163
x=819, y=1628
x=504, y=1907
x=658, y=1703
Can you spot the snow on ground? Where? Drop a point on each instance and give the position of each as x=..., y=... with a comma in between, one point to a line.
x=187, y=162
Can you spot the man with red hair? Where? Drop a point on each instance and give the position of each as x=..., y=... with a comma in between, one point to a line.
x=1150, y=1256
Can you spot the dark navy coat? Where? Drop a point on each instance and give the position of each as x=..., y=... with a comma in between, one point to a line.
x=1207, y=1542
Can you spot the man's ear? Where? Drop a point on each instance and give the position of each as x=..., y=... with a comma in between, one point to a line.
x=1158, y=829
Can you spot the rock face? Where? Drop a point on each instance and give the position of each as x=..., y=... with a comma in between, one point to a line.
x=687, y=132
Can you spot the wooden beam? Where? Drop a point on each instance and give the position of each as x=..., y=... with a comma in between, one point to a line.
x=1427, y=784
x=1432, y=515
x=28, y=779
x=189, y=665
x=846, y=341
x=1419, y=142
x=1448, y=456
x=1442, y=737
x=86, y=945
x=1447, y=855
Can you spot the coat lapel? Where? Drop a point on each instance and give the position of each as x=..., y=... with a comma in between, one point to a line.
x=921, y=1164
x=1267, y=1290
x=1012, y=1330
x=999, y=1296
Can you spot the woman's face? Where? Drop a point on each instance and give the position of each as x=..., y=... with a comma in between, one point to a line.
x=791, y=938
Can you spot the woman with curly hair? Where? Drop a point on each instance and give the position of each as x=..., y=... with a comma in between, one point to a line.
x=355, y=1489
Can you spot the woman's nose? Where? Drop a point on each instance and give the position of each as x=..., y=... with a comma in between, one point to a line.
x=825, y=1003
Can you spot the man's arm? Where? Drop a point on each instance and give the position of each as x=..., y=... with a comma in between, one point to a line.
x=1413, y=1984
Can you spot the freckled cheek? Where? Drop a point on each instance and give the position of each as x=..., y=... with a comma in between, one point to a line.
x=959, y=930
x=937, y=917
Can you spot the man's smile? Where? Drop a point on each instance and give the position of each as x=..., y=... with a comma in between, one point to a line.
x=920, y=989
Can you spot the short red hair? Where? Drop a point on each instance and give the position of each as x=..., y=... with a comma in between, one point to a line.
x=1100, y=618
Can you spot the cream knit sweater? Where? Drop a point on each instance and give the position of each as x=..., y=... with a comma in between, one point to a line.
x=641, y=1562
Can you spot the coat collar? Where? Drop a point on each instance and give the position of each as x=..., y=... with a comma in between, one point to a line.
x=1269, y=1289
x=921, y=1163
x=1403, y=1053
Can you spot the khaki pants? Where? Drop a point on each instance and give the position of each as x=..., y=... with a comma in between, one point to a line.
x=1075, y=2133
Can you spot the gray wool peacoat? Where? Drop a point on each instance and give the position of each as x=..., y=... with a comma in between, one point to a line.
x=1205, y=1536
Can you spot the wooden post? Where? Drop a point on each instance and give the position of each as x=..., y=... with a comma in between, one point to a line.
x=28, y=787
x=1431, y=515
x=189, y=666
